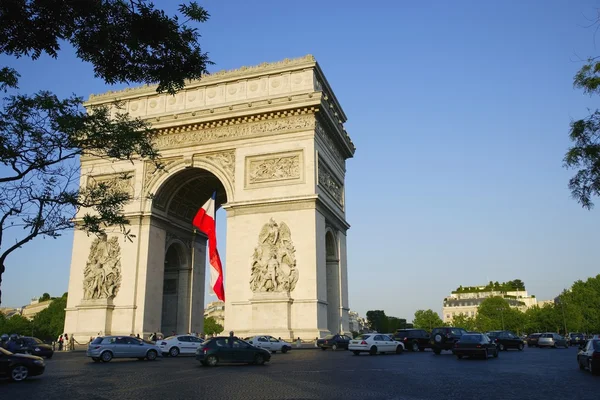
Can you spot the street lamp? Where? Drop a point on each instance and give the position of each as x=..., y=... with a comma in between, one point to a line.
x=501, y=309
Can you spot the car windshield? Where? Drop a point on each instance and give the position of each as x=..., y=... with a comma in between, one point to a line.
x=362, y=337
x=170, y=337
x=402, y=333
x=98, y=340
x=578, y=335
x=329, y=337
x=535, y=335
x=493, y=334
x=546, y=335
x=470, y=338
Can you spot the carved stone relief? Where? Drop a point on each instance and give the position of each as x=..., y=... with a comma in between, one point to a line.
x=122, y=182
x=330, y=183
x=268, y=168
x=225, y=160
x=274, y=260
x=235, y=131
x=152, y=172
x=102, y=274
x=323, y=134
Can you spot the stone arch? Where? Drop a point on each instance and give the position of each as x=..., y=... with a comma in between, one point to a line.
x=175, y=266
x=332, y=281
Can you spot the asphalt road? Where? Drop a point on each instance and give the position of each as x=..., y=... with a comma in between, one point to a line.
x=314, y=374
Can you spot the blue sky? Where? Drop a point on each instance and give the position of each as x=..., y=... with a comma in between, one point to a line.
x=460, y=114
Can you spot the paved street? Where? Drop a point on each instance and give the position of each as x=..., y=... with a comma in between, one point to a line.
x=313, y=374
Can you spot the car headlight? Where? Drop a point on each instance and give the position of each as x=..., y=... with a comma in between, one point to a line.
x=39, y=362
x=37, y=349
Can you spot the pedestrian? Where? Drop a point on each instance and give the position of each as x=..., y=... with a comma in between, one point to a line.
x=71, y=343
x=298, y=342
x=60, y=343
x=66, y=342
x=153, y=337
x=137, y=336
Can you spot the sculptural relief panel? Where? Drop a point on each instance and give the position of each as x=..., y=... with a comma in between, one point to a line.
x=330, y=144
x=273, y=266
x=224, y=160
x=122, y=182
x=269, y=169
x=330, y=183
x=102, y=274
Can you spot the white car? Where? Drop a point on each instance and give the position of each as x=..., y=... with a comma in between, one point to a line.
x=269, y=343
x=374, y=343
x=179, y=344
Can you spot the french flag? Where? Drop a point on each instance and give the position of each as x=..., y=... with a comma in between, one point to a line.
x=205, y=222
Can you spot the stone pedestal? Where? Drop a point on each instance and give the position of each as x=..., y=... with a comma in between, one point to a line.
x=271, y=314
x=94, y=317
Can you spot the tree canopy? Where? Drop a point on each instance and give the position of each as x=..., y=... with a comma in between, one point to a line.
x=42, y=136
x=427, y=319
x=211, y=326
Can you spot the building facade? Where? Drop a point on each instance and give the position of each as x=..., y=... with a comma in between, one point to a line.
x=467, y=302
x=356, y=323
x=216, y=310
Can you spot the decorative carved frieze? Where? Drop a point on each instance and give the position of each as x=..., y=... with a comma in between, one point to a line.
x=102, y=274
x=274, y=260
x=230, y=132
x=329, y=183
x=122, y=182
x=225, y=160
x=152, y=171
x=277, y=167
x=325, y=136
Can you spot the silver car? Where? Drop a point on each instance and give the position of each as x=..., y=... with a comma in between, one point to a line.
x=552, y=340
x=105, y=348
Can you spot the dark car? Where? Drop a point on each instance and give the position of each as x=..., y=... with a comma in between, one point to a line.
x=576, y=339
x=34, y=346
x=413, y=339
x=225, y=349
x=532, y=339
x=475, y=345
x=444, y=338
x=589, y=357
x=19, y=367
x=334, y=342
x=506, y=340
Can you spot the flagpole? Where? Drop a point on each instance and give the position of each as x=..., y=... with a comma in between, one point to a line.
x=192, y=280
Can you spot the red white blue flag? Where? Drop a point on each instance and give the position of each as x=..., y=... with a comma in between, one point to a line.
x=205, y=222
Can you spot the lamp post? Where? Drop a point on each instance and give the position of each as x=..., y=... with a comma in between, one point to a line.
x=501, y=309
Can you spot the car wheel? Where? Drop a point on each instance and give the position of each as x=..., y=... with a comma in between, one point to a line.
x=414, y=347
x=356, y=352
x=211, y=360
x=399, y=349
x=501, y=347
x=520, y=347
x=19, y=373
x=174, y=351
x=323, y=348
x=373, y=350
x=459, y=356
x=259, y=359
x=96, y=359
x=151, y=355
x=438, y=338
x=437, y=351
x=284, y=349
x=334, y=347
x=106, y=356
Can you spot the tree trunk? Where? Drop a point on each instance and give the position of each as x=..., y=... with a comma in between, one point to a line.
x=2, y=269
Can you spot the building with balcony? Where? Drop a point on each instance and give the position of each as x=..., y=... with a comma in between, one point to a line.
x=466, y=300
x=216, y=310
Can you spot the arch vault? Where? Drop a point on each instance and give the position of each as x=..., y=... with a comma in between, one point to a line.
x=270, y=140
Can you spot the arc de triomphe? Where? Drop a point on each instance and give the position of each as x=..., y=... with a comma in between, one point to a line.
x=270, y=139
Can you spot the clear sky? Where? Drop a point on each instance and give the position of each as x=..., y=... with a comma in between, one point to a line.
x=460, y=114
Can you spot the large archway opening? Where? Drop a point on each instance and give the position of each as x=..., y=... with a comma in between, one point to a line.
x=185, y=287
x=333, y=283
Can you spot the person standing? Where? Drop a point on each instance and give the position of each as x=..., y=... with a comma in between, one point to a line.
x=71, y=342
x=60, y=342
x=66, y=344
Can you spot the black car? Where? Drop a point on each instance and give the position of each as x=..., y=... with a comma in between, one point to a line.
x=226, y=349
x=506, y=340
x=475, y=345
x=532, y=339
x=589, y=357
x=576, y=339
x=34, y=346
x=413, y=339
x=19, y=367
x=444, y=338
x=334, y=342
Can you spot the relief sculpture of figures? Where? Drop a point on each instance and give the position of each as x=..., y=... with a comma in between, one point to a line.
x=274, y=262
x=102, y=274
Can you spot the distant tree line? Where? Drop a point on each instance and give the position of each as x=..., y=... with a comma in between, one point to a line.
x=46, y=325
x=509, y=286
x=379, y=322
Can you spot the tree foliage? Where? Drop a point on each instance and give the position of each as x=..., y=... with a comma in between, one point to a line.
x=427, y=319
x=378, y=321
x=42, y=136
x=16, y=324
x=584, y=154
x=211, y=326
x=49, y=323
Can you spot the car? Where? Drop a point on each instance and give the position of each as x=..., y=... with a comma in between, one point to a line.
x=19, y=367
x=575, y=339
x=550, y=339
x=374, y=343
x=34, y=346
x=532, y=339
x=444, y=338
x=269, y=343
x=334, y=342
x=475, y=344
x=230, y=349
x=589, y=357
x=413, y=339
x=179, y=344
x=105, y=348
x=506, y=340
